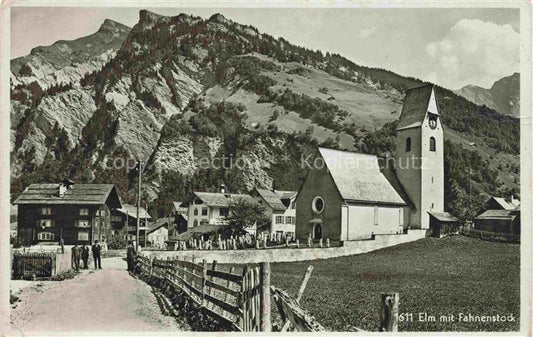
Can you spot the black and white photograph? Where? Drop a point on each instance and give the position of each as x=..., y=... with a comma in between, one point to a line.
x=272, y=167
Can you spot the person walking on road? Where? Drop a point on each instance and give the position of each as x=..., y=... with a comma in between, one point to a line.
x=85, y=256
x=97, y=249
x=130, y=256
x=76, y=257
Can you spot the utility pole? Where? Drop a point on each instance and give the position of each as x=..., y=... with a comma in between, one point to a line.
x=145, y=222
x=469, y=188
x=138, y=205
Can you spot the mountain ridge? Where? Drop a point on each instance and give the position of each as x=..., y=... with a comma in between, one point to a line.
x=180, y=89
x=503, y=95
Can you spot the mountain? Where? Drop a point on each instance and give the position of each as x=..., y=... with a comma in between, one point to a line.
x=63, y=63
x=503, y=96
x=69, y=61
x=211, y=101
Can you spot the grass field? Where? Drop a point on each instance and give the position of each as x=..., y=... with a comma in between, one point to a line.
x=433, y=276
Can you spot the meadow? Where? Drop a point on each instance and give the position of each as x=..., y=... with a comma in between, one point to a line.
x=434, y=277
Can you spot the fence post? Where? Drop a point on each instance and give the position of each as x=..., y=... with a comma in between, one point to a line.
x=389, y=311
x=327, y=242
x=265, y=243
x=151, y=258
x=297, y=243
x=256, y=243
x=204, y=283
x=309, y=241
x=320, y=243
x=265, y=297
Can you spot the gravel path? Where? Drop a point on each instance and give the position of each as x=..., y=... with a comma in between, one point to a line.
x=97, y=300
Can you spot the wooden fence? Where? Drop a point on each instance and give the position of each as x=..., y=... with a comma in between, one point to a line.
x=242, y=300
x=39, y=265
x=32, y=265
x=491, y=236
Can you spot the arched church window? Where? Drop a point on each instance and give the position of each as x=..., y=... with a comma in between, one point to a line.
x=432, y=144
x=408, y=144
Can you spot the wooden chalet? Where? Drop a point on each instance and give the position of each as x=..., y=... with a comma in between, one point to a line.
x=76, y=213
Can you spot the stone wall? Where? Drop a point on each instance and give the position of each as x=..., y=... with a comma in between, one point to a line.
x=292, y=254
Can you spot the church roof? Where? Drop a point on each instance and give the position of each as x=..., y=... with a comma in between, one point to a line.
x=358, y=177
x=415, y=107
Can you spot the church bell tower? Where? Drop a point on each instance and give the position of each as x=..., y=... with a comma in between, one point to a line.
x=419, y=160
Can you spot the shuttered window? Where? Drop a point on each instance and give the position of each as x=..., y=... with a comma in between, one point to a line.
x=45, y=236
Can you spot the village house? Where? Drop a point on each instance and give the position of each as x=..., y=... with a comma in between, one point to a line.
x=212, y=208
x=158, y=232
x=124, y=222
x=500, y=216
x=178, y=208
x=280, y=208
x=75, y=213
x=178, y=225
x=351, y=196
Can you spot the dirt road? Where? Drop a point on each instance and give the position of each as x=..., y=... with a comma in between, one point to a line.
x=102, y=300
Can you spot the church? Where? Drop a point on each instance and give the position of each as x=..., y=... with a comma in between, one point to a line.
x=353, y=196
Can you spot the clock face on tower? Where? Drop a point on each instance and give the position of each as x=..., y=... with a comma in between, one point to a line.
x=433, y=121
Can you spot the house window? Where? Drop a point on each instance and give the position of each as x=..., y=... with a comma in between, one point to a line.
x=83, y=223
x=432, y=205
x=224, y=211
x=84, y=211
x=83, y=236
x=279, y=219
x=196, y=211
x=318, y=205
x=45, y=223
x=195, y=223
x=432, y=180
x=432, y=144
x=204, y=211
x=293, y=206
x=408, y=144
x=46, y=210
x=376, y=215
x=288, y=220
x=116, y=218
x=45, y=236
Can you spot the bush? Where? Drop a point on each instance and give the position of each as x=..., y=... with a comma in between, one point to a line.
x=117, y=243
x=65, y=275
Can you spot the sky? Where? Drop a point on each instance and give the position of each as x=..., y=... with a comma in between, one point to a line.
x=450, y=47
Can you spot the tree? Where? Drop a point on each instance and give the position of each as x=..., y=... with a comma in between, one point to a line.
x=244, y=214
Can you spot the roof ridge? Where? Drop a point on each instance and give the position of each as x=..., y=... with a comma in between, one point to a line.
x=346, y=151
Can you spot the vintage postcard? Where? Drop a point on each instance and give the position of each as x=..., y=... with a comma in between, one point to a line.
x=179, y=167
